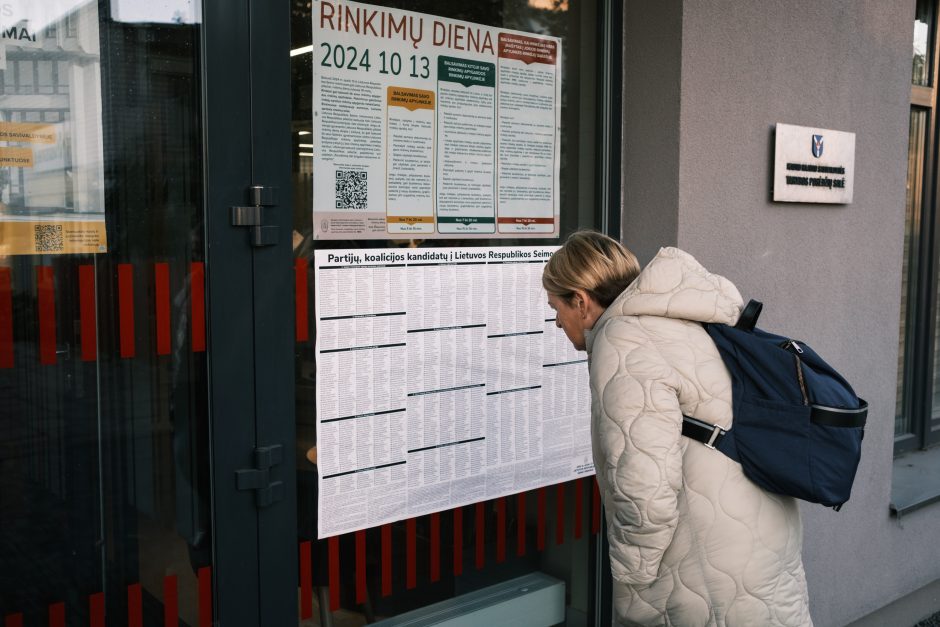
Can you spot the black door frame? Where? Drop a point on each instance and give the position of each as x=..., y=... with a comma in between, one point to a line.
x=609, y=157
x=246, y=96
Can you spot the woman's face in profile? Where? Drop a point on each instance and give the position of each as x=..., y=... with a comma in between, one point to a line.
x=569, y=318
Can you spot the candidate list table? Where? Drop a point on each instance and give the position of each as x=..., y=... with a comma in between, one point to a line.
x=441, y=381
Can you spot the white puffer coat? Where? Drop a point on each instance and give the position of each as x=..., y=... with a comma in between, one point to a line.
x=692, y=541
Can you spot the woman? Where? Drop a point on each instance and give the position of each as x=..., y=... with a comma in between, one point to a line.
x=692, y=541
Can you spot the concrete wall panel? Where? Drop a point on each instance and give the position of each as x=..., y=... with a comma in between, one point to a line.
x=826, y=273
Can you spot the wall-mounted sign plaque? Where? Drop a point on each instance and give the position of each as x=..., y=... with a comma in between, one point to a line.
x=813, y=165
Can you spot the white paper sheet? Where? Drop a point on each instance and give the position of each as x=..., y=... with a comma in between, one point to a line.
x=441, y=381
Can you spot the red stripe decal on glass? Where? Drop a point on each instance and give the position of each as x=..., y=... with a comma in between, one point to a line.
x=126, y=309
x=135, y=606
x=540, y=536
x=57, y=615
x=96, y=610
x=334, y=572
x=197, y=301
x=595, y=507
x=86, y=308
x=171, y=611
x=481, y=537
x=458, y=541
x=411, y=553
x=45, y=291
x=6, y=321
x=301, y=323
x=520, y=524
x=436, y=546
x=361, y=594
x=501, y=529
x=578, y=506
x=306, y=581
x=161, y=292
x=205, y=597
x=560, y=514
x=386, y=560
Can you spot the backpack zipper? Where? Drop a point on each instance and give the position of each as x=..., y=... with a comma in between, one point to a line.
x=799, y=377
x=796, y=351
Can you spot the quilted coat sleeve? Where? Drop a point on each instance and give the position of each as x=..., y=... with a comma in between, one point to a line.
x=637, y=454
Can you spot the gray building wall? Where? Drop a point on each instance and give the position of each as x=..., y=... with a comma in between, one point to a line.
x=705, y=82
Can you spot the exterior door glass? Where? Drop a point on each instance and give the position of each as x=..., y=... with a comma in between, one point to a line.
x=401, y=567
x=923, y=40
x=104, y=502
x=903, y=421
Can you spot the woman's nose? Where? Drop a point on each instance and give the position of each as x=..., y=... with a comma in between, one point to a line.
x=557, y=323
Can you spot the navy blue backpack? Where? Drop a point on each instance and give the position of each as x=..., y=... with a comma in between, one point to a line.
x=798, y=425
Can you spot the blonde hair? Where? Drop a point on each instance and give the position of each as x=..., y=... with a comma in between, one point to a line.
x=593, y=262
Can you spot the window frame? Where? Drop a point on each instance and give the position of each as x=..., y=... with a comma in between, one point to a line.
x=919, y=327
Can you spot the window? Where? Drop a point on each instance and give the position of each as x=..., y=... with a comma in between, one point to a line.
x=485, y=544
x=43, y=75
x=25, y=77
x=62, y=77
x=917, y=415
x=46, y=83
x=9, y=80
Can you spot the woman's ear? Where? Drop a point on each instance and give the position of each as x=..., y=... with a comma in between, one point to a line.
x=588, y=308
x=581, y=300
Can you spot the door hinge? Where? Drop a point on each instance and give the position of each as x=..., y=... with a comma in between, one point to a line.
x=259, y=477
x=252, y=216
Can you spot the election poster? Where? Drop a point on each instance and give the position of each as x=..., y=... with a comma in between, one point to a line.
x=426, y=127
x=444, y=382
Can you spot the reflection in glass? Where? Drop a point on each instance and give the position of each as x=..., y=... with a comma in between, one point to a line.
x=51, y=166
x=103, y=407
x=452, y=535
x=909, y=274
x=922, y=43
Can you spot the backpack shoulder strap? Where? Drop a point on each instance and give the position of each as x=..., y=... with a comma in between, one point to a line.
x=749, y=315
x=707, y=434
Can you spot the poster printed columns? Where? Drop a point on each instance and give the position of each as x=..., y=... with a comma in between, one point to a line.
x=466, y=201
x=428, y=127
x=527, y=134
x=409, y=161
x=441, y=381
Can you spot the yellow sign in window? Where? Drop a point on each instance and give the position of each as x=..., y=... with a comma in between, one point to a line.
x=16, y=157
x=27, y=133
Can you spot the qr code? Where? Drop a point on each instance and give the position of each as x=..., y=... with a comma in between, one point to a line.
x=352, y=189
x=48, y=238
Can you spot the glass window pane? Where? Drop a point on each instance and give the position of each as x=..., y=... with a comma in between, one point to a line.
x=912, y=233
x=935, y=414
x=26, y=82
x=103, y=422
x=560, y=550
x=45, y=79
x=923, y=40
x=932, y=433
x=62, y=78
x=9, y=79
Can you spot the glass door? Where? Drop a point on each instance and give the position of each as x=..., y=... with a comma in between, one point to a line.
x=105, y=504
x=142, y=447
x=455, y=555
